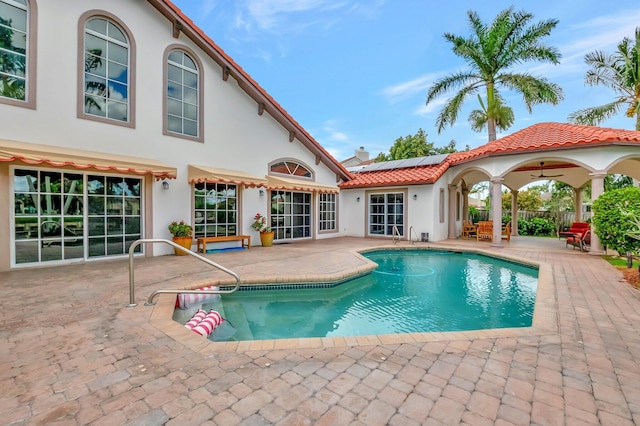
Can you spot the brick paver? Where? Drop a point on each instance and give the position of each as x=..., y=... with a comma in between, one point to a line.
x=71, y=352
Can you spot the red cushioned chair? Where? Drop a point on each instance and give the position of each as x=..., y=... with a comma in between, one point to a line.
x=582, y=241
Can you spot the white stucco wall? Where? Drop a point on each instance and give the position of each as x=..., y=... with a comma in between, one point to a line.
x=235, y=135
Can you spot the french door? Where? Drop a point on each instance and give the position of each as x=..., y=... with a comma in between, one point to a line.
x=291, y=215
x=386, y=210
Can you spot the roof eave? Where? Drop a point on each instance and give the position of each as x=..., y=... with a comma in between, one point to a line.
x=250, y=86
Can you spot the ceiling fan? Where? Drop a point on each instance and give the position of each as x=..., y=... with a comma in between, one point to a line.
x=542, y=175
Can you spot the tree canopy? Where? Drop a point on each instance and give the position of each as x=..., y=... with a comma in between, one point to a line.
x=491, y=51
x=619, y=71
x=528, y=200
x=412, y=146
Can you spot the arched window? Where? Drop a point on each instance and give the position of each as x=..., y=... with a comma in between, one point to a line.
x=17, y=56
x=291, y=168
x=182, y=95
x=106, y=81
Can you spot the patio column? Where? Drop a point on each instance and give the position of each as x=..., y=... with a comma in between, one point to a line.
x=452, y=211
x=514, y=212
x=597, y=189
x=578, y=205
x=465, y=203
x=496, y=210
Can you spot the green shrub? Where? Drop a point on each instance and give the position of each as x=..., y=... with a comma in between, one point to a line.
x=536, y=226
x=613, y=219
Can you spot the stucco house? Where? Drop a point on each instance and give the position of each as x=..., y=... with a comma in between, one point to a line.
x=119, y=117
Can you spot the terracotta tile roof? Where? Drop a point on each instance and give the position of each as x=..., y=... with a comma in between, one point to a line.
x=539, y=137
x=250, y=85
x=406, y=176
x=548, y=136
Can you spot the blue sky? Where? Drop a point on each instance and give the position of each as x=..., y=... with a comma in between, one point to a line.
x=355, y=73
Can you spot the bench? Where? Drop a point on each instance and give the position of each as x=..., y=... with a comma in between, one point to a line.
x=202, y=242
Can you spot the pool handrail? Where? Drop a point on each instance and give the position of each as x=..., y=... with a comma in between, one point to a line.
x=411, y=230
x=395, y=231
x=136, y=243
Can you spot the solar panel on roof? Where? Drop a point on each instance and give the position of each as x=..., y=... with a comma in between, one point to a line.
x=405, y=163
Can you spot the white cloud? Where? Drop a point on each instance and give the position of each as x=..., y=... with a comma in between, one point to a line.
x=433, y=106
x=333, y=134
x=407, y=89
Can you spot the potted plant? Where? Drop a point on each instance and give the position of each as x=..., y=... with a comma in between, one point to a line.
x=260, y=225
x=182, y=234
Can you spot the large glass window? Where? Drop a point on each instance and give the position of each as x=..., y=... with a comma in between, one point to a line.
x=182, y=94
x=13, y=49
x=385, y=212
x=106, y=70
x=328, y=220
x=216, y=210
x=114, y=214
x=290, y=214
x=59, y=213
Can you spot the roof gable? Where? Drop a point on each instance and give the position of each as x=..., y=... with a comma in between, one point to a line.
x=549, y=136
x=182, y=23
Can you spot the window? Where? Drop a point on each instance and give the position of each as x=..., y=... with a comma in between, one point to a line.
x=458, y=205
x=291, y=168
x=290, y=214
x=64, y=215
x=114, y=214
x=106, y=93
x=216, y=210
x=385, y=212
x=441, y=206
x=17, y=52
x=182, y=95
x=328, y=212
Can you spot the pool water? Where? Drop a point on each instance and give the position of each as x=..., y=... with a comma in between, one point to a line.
x=410, y=291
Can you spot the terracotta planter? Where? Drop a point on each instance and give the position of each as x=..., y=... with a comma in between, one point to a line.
x=184, y=242
x=266, y=238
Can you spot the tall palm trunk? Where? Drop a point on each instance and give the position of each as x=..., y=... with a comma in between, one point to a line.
x=491, y=111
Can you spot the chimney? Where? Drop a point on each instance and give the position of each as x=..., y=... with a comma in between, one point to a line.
x=361, y=154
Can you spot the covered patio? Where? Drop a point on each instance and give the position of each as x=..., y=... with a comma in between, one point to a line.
x=576, y=155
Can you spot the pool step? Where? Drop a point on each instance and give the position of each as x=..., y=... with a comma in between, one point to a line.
x=235, y=314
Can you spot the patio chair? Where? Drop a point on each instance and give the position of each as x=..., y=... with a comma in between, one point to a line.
x=506, y=232
x=582, y=241
x=468, y=229
x=484, y=232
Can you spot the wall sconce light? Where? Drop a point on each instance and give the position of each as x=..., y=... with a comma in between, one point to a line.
x=165, y=184
x=358, y=199
x=415, y=196
x=261, y=192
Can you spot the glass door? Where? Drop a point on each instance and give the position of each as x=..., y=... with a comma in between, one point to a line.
x=290, y=215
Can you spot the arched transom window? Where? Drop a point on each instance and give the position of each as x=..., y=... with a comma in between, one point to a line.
x=292, y=168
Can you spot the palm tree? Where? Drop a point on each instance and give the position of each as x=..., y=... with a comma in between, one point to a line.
x=491, y=51
x=619, y=71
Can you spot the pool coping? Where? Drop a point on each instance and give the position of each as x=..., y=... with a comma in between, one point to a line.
x=544, y=322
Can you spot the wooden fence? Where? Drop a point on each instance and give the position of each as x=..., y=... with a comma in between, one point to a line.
x=565, y=218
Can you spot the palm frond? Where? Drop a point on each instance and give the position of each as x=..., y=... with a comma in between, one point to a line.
x=595, y=115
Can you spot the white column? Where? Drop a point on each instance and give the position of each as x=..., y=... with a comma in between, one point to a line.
x=578, y=205
x=465, y=203
x=597, y=189
x=514, y=212
x=452, y=211
x=496, y=210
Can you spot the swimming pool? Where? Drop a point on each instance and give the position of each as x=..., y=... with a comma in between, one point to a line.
x=410, y=291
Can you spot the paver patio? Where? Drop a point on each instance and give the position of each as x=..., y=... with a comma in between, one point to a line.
x=71, y=352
